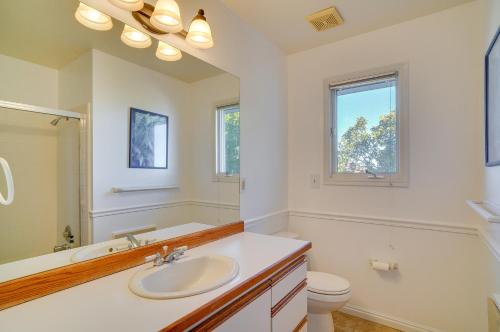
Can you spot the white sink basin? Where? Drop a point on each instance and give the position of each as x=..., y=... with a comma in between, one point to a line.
x=185, y=277
x=100, y=249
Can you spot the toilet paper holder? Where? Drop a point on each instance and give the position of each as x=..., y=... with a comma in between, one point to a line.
x=383, y=266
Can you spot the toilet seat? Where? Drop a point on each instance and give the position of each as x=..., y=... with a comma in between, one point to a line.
x=321, y=283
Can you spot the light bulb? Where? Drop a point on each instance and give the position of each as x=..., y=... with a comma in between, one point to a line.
x=200, y=34
x=167, y=16
x=135, y=38
x=92, y=18
x=132, y=5
x=167, y=52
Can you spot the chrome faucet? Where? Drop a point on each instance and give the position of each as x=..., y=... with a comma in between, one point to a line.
x=134, y=243
x=159, y=260
x=175, y=255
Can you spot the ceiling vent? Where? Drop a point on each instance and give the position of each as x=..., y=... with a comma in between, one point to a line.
x=325, y=19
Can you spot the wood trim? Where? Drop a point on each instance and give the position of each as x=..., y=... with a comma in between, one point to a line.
x=284, y=301
x=286, y=271
x=301, y=324
x=232, y=309
x=207, y=309
x=27, y=288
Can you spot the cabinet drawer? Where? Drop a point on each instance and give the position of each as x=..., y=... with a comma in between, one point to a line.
x=288, y=283
x=253, y=317
x=291, y=315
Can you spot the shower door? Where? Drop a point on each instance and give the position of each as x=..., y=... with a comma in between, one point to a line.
x=43, y=153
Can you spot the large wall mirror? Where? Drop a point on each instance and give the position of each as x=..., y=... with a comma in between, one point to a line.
x=109, y=147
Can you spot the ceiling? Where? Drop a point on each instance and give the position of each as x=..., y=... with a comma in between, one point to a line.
x=283, y=21
x=45, y=32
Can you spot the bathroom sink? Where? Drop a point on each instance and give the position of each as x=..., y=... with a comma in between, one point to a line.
x=185, y=277
x=98, y=250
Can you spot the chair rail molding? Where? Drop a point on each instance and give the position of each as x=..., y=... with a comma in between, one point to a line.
x=459, y=228
x=165, y=205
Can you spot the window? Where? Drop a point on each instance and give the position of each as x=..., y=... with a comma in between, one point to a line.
x=227, y=133
x=366, y=129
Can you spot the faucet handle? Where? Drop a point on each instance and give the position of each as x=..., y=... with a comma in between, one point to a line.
x=156, y=259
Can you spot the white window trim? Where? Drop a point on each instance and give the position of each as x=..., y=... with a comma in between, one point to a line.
x=215, y=176
x=402, y=99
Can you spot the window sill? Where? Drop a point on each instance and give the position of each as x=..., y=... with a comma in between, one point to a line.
x=228, y=179
x=366, y=182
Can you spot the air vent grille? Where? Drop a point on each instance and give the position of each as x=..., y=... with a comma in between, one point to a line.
x=325, y=19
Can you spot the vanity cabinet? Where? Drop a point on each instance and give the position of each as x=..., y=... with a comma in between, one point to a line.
x=279, y=304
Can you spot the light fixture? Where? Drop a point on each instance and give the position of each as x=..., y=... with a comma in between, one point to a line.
x=135, y=38
x=92, y=18
x=199, y=34
x=167, y=52
x=166, y=16
x=131, y=5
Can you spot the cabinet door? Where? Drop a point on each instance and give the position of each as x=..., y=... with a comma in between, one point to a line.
x=256, y=316
x=290, y=316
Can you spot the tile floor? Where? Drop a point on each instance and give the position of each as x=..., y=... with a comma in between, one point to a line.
x=347, y=323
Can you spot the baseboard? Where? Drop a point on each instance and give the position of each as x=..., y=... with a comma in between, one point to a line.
x=394, y=322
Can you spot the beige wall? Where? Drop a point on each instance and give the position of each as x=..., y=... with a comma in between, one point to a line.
x=27, y=83
x=29, y=225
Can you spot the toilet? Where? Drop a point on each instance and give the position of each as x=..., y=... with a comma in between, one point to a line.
x=325, y=293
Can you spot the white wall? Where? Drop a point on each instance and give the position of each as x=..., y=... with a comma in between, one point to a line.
x=75, y=82
x=27, y=83
x=117, y=86
x=190, y=108
x=492, y=174
x=210, y=93
x=350, y=225
x=243, y=52
x=490, y=254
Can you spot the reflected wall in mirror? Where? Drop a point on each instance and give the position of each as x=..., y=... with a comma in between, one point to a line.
x=65, y=97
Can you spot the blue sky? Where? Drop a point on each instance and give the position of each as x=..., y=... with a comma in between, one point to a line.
x=370, y=104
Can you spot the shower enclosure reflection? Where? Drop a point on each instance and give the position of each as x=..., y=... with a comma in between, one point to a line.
x=44, y=157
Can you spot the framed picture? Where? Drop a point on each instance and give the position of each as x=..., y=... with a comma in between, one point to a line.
x=492, y=102
x=148, y=146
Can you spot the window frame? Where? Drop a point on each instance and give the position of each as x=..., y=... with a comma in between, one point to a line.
x=216, y=175
x=400, y=179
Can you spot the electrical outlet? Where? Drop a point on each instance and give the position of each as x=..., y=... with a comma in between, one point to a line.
x=315, y=181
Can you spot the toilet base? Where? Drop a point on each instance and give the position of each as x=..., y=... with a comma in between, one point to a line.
x=320, y=322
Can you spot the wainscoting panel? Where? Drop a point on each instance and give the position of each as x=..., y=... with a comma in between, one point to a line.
x=437, y=286
x=105, y=222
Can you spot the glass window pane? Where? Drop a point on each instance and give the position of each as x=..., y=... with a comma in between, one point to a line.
x=232, y=140
x=366, y=127
x=228, y=145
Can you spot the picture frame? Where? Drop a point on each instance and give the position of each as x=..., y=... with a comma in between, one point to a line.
x=148, y=140
x=492, y=102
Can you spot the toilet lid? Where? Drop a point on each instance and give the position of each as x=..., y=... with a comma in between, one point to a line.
x=325, y=283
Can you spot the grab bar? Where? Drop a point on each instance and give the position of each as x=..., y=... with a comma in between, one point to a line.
x=9, y=181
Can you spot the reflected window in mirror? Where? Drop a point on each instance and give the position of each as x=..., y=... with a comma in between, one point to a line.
x=227, y=133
